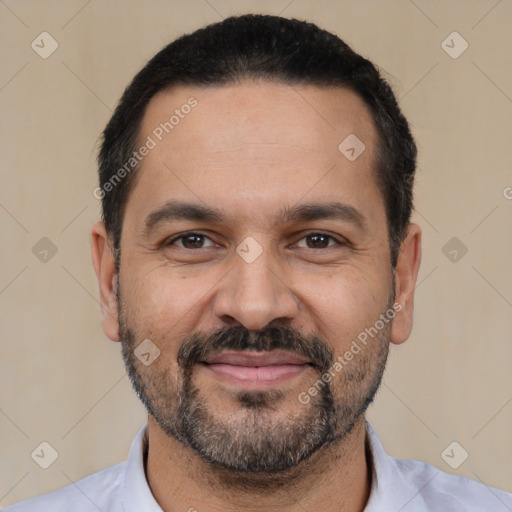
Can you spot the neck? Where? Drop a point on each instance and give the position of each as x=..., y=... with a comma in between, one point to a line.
x=335, y=478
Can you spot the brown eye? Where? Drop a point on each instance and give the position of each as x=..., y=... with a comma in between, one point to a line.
x=190, y=241
x=318, y=241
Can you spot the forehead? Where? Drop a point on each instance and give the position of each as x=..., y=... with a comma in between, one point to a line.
x=260, y=112
x=255, y=141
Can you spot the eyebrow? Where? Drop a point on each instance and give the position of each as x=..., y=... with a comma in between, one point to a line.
x=175, y=210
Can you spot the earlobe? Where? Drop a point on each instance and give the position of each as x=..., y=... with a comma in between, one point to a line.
x=406, y=273
x=104, y=266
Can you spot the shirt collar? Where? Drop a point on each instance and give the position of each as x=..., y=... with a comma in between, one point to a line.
x=137, y=495
x=390, y=485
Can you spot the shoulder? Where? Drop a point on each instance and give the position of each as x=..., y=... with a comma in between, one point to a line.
x=435, y=489
x=99, y=491
x=416, y=486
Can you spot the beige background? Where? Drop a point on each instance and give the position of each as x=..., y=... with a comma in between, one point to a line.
x=63, y=382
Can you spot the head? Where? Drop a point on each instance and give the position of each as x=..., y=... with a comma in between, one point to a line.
x=256, y=184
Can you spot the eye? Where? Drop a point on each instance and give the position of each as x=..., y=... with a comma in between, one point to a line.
x=194, y=240
x=189, y=241
x=319, y=240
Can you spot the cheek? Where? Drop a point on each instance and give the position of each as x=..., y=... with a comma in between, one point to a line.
x=344, y=304
x=162, y=307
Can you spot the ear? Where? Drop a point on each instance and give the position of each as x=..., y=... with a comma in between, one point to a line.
x=406, y=273
x=104, y=266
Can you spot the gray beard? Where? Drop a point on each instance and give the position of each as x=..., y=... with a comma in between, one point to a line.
x=253, y=444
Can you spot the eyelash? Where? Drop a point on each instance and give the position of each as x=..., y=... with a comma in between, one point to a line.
x=306, y=235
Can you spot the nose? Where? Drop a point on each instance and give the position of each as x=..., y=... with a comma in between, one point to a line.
x=255, y=293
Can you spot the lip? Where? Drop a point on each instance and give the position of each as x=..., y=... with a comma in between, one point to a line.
x=274, y=357
x=255, y=370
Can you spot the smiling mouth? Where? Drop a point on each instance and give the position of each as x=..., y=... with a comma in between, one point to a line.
x=256, y=369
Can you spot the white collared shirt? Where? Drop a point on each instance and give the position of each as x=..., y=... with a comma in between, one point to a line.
x=398, y=486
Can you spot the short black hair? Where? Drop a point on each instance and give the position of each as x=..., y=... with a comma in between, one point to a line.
x=270, y=48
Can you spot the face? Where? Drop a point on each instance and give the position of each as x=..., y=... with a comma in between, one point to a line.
x=254, y=254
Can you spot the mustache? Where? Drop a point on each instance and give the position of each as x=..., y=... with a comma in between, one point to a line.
x=200, y=346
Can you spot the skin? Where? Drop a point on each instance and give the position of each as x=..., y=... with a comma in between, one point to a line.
x=250, y=149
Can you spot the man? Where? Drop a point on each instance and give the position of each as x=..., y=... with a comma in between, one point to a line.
x=255, y=259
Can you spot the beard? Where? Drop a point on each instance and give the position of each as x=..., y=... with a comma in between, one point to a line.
x=257, y=439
